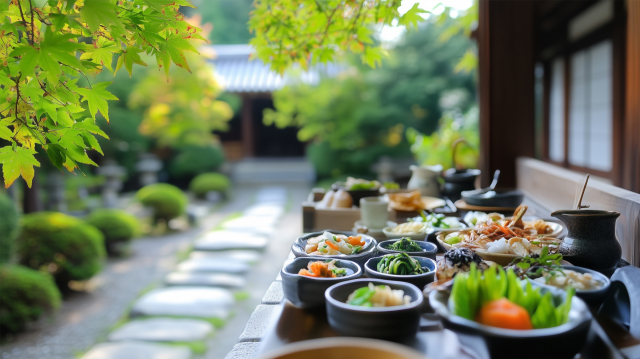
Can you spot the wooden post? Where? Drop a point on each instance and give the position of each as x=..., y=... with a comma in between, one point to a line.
x=631, y=172
x=248, y=147
x=31, y=200
x=506, y=75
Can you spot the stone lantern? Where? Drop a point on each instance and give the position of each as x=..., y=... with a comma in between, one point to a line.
x=148, y=167
x=113, y=182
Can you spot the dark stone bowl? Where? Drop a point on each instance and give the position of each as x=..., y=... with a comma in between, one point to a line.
x=361, y=258
x=592, y=297
x=502, y=198
x=308, y=292
x=393, y=323
x=429, y=250
x=419, y=280
x=563, y=341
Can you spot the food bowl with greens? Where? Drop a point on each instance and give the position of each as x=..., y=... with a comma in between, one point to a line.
x=418, y=271
x=406, y=245
x=374, y=308
x=515, y=318
x=358, y=188
x=418, y=228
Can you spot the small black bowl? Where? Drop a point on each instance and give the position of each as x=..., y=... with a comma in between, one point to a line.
x=429, y=250
x=361, y=258
x=393, y=323
x=592, y=297
x=498, y=198
x=563, y=341
x=419, y=280
x=308, y=292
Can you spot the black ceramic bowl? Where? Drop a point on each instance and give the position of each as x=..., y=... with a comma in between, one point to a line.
x=563, y=341
x=592, y=297
x=429, y=250
x=394, y=323
x=419, y=280
x=496, y=198
x=308, y=292
x=361, y=258
x=356, y=195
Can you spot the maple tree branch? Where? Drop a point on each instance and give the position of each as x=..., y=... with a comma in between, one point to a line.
x=33, y=30
x=24, y=21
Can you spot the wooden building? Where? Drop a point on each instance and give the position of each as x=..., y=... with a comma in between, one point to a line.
x=254, y=82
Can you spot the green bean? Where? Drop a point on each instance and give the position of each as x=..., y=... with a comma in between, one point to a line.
x=399, y=264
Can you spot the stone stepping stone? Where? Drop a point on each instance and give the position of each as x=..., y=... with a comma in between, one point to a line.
x=249, y=222
x=137, y=350
x=205, y=279
x=163, y=330
x=213, y=265
x=197, y=302
x=264, y=210
x=249, y=257
x=225, y=240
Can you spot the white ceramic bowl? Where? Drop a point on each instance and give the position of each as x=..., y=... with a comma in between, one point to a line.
x=414, y=236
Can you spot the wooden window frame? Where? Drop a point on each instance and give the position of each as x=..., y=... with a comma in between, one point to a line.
x=614, y=31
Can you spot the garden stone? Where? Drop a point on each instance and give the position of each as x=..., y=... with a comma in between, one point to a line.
x=224, y=240
x=274, y=294
x=163, y=330
x=198, y=302
x=213, y=265
x=243, y=351
x=249, y=222
x=137, y=350
x=204, y=279
x=237, y=255
x=258, y=323
x=269, y=210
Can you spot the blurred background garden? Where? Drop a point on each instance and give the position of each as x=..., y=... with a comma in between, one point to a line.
x=187, y=153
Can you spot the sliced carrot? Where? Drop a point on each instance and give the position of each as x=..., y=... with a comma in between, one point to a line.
x=355, y=241
x=306, y=273
x=334, y=246
x=502, y=313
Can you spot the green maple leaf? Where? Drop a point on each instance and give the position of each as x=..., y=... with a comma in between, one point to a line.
x=17, y=163
x=48, y=107
x=175, y=46
x=97, y=97
x=128, y=58
x=412, y=17
x=89, y=125
x=29, y=59
x=102, y=55
x=97, y=12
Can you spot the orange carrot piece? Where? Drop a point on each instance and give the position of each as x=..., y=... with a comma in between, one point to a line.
x=502, y=313
x=334, y=246
x=355, y=241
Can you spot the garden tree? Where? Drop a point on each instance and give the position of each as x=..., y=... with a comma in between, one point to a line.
x=362, y=114
x=184, y=111
x=48, y=45
x=307, y=32
x=229, y=19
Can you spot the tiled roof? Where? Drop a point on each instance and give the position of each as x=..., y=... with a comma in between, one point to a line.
x=237, y=73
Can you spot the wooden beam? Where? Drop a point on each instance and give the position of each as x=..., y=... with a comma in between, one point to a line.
x=506, y=75
x=248, y=139
x=631, y=172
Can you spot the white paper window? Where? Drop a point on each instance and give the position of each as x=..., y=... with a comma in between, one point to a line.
x=590, y=111
x=556, y=112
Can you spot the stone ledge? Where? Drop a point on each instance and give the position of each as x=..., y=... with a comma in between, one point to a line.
x=274, y=294
x=257, y=324
x=243, y=351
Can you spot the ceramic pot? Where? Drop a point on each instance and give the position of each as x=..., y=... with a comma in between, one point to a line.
x=591, y=242
x=457, y=181
x=425, y=179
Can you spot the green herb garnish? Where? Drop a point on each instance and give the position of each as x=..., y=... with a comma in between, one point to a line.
x=405, y=244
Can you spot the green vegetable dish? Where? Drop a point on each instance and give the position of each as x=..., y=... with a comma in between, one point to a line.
x=498, y=298
x=405, y=244
x=437, y=220
x=399, y=264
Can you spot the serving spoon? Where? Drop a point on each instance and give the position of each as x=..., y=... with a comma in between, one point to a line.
x=483, y=191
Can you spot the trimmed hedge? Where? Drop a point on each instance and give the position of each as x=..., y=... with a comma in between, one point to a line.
x=9, y=227
x=116, y=225
x=24, y=295
x=208, y=182
x=167, y=201
x=67, y=247
x=193, y=160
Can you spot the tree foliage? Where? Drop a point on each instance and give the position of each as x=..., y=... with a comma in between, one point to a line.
x=47, y=46
x=362, y=114
x=314, y=31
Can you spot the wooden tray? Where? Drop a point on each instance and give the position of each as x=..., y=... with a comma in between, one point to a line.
x=462, y=205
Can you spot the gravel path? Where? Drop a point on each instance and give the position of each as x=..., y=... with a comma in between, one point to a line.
x=86, y=318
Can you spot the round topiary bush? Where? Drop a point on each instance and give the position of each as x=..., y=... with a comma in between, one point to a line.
x=167, y=201
x=24, y=295
x=66, y=247
x=9, y=227
x=208, y=182
x=193, y=160
x=116, y=225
